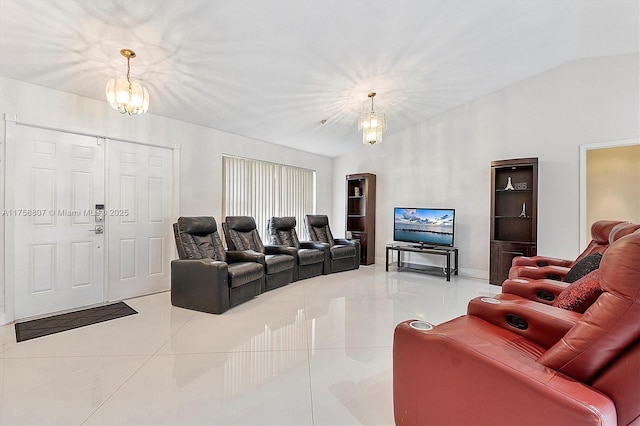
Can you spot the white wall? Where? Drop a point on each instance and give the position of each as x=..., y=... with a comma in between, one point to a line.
x=201, y=148
x=445, y=161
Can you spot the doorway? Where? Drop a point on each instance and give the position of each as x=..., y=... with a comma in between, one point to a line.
x=58, y=249
x=609, y=183
x=139, y=219
x=90, y=220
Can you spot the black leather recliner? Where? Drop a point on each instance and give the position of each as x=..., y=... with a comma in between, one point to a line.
x=208, y=278
x=344, y=254
x=309, y=255
x=241, y=234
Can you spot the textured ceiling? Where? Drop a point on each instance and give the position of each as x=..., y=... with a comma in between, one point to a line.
x=273, y=70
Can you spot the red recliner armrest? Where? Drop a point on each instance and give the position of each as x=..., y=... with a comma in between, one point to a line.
x=550, y=272
x=470, y=372
x=542, y=291
x=540, y=323
x=540, y=261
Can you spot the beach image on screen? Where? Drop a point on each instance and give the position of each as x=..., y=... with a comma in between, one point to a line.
x=429, y=226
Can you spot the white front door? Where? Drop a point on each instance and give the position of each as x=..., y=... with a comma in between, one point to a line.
x=139, y=220
x=58, y=258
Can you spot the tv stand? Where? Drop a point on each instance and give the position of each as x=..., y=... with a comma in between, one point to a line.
x=424, y=249
x=423, y=246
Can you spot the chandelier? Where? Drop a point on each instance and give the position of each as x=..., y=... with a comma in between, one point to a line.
x=126, y=95
x=372, y=124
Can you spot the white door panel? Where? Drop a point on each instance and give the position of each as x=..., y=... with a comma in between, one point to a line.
x=139, y=219
x=58, y=259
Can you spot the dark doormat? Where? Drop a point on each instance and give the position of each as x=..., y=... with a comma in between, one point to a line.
x=63, y=322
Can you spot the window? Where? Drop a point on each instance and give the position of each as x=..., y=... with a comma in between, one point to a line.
x=262, y=190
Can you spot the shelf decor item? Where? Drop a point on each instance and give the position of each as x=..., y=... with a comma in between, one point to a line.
x=523, y=213
x=356, y=191
x=509, y=186
x=522, y=186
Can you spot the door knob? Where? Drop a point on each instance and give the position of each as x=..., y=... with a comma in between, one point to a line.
x=99, y=229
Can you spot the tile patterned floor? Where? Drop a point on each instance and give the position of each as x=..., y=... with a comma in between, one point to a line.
x=316, y=352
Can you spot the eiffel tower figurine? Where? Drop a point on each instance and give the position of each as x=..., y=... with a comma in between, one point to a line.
x=509, y=186
x=523, y=213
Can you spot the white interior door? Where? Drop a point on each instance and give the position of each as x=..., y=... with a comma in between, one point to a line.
x=139, y=219
x=58, y=258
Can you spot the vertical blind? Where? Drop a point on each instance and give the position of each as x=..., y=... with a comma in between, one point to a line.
x=263, y=190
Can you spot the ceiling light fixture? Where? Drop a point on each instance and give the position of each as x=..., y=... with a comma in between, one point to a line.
x=126, y=95
x=372, y=124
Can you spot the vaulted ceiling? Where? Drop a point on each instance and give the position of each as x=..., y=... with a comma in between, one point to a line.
x=275, y=69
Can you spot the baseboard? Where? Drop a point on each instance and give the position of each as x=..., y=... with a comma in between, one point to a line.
x=474, y=273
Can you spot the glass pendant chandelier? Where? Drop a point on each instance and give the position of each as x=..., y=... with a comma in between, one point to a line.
x=126, y=95
x=372, y=124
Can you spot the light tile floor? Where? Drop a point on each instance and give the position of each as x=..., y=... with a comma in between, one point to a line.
x=316, y=352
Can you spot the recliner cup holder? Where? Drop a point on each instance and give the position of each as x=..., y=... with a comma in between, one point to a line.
x=547, y=296
x=421, y=325
x=490, y=300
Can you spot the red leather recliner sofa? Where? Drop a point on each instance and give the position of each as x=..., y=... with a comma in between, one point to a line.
x=546, y=290
x=540, y=267
x=549, y=366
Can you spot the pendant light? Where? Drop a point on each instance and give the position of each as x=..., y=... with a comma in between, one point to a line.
x=372, y=124
x=126, y=95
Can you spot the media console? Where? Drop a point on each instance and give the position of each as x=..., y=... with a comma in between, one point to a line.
x=424, y=249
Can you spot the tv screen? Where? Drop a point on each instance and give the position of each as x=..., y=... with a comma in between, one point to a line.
x=424, y=226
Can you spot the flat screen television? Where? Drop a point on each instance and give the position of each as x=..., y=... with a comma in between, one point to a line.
x=424, y=226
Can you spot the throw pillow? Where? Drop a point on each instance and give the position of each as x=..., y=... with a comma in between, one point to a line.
x=581, y=294
x=583, y=267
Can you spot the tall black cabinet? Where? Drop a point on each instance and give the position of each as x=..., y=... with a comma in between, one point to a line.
x=514, y=214
x=361, y=214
